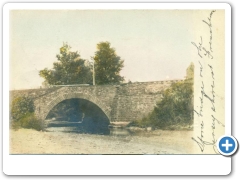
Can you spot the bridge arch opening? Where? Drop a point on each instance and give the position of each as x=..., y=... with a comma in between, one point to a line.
x=78, y=115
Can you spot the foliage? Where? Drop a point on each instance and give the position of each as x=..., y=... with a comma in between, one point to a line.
x=67, y=110
x=70, y=69
x=22, y=114
x=107, y=65
x=175, y=108
x=190, y=73
x=30, y=121
x=20, y=106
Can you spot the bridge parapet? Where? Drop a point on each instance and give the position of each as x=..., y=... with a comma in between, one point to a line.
x=124, y=102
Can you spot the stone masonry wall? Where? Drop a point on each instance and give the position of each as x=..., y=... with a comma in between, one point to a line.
x=33, y=93
x=134, y=101
x=125, y=102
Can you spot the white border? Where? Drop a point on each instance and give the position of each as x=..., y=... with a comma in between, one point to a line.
x=228, y=64
x=114, y=164
x=55, y=6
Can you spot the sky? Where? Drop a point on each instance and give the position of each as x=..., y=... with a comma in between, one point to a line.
x=154, y=44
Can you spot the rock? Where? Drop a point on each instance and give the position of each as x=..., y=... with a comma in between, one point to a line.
x=149, y=129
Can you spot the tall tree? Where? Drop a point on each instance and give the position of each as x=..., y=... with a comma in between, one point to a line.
x=107, y=64
x=69, y=69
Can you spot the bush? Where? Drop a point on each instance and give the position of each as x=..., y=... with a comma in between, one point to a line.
x=142, y=123
x=30, y=121
x=22, y=114
x=174, y=110
x=15, y=125
x=20, y=106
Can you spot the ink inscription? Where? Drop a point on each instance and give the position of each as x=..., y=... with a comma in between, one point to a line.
x=206, y=57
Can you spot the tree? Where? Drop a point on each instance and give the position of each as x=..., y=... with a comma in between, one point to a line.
x=190, y=73
x=107, y=65
x=70, y=69
x=175, y=107
x=68, y=110
x=20, y=107
x=22, y=114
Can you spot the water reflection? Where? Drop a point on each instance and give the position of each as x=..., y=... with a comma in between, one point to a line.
x=76, y=128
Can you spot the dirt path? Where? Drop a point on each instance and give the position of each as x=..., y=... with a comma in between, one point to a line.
x=27, y=141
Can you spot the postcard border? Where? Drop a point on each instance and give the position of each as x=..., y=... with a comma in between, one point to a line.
x=134, y=165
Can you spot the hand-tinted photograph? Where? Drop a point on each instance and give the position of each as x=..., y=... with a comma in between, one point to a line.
x=116, y=81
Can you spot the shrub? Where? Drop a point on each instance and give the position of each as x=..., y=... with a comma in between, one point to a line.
x=30, y=121
x=20, y=106
x=175, y=108
x=22, y=114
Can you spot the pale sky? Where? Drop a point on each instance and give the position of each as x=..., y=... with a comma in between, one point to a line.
x=154, y=44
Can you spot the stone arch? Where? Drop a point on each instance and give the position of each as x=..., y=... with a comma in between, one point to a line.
x=46, y=108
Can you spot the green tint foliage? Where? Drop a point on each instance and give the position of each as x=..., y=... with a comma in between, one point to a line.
x=107, y=64
x=20, y=106
x=67, y=109
x=30, y=121
x=69, y=69
x=22, y=114
x=175, y=108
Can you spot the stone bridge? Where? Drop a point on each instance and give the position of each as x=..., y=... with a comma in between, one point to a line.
x=120, y=103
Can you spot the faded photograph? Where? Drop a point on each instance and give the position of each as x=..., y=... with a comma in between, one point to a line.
x=116, y=81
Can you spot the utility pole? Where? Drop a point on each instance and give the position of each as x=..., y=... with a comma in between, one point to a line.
x=93, y=72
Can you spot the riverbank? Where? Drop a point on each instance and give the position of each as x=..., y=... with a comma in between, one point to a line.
x=28, y=141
